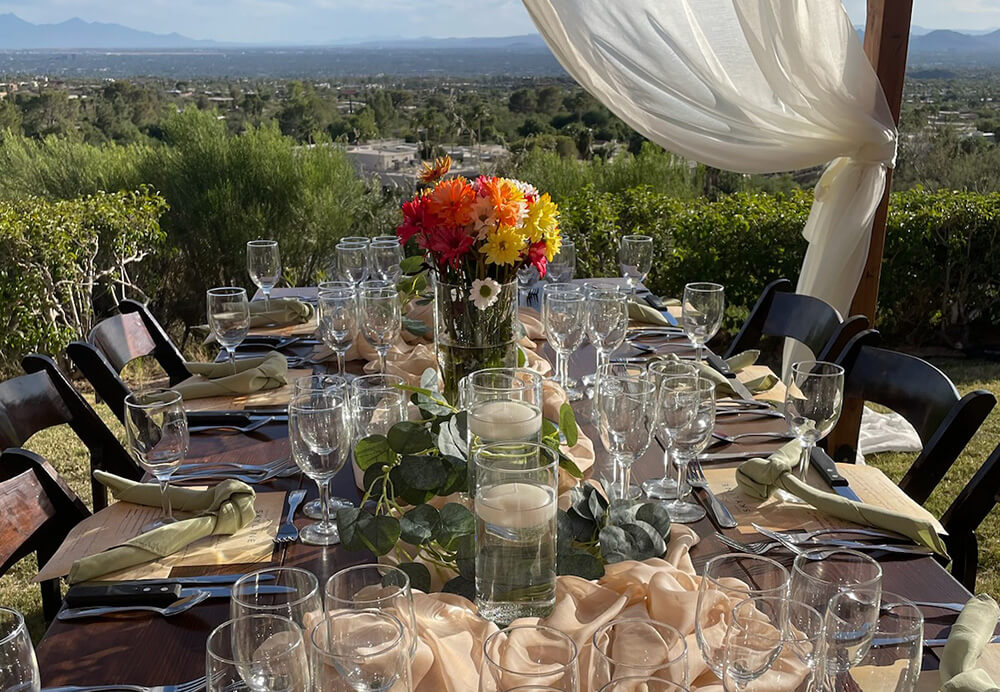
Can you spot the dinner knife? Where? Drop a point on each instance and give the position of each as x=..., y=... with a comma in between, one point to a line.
x=733, y=456
x=716, y=361
x=822, y=462
x=163, y=594
x=892, y=641
x=657, y=303
x=185, y=581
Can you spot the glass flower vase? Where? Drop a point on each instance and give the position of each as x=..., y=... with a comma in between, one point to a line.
x=468, y=338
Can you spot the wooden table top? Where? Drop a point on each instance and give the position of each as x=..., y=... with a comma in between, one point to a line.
x=148, y=649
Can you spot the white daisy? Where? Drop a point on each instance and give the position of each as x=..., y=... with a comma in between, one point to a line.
x=484, y=293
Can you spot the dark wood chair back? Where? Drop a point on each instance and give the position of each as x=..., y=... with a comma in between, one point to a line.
x=966, y=513
x=781, y=313
x=37, y=511
x=44, y=398
x=924, y=396
x=117, y=341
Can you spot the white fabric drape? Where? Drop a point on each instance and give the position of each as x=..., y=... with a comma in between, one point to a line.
x=754, y=86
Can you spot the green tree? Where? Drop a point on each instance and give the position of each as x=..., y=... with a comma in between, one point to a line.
x=522, y=101
x=549, y=99
x=10, y=116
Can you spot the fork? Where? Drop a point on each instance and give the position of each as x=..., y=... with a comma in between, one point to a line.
x=730, y=439
x=762, y=547
x=287, y=532
x=189, y=686
x=696, y=479
x=259, y=423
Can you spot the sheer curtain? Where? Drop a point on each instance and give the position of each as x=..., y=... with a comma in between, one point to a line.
x=754, y=86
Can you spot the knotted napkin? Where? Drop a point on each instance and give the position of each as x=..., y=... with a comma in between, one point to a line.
x=219, y=379
x=970, y=634
x=221, y=510
x=280, y=312
x=640, y=311
x=759, y=478
x=737, y=363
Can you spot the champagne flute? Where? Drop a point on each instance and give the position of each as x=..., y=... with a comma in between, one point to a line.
x=260, y=653
x=352, y=261
x=687, y=407
x=18, y=665
x=338, y=320
x=264, y=267
x=627, y=647
x=814, y=397
x=563, y=266
x=381, y=319
x=564, y=315
x=362, y=650
x=228, y=318
x=627, y=409
x=635, y=256
x=302, y=603
x=664, y=488
x=157, y=432
x=384, y=256
x=701, y=313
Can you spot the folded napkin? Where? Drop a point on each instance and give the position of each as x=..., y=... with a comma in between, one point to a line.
x=220, y=510
x=640, y=311
x=737, y=363
x=970, y=634
x=280, y=312
x=761, y=477
x=218, y=379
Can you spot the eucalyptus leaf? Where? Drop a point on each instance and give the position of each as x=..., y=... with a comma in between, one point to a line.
x=407, y=437
x=567, y=424
x=522, y=357
x=636, y=541
x=615, y=545
x=423, y=472
x=549, y=429
x=455, y=520
x=458, y=476
x=656, y=515
x=373, y=480
x=373, y=449
x=348, y=527
x=579, y=563
x=579, y=500
x=420, y=576
x=461, y=586
x=569, y=466
x=417, y=525
x=598, y=505
x=412, y=264
x=415, y=327
x=657, y=546
x=465, y=555
x=621, y=512
x=380, y=533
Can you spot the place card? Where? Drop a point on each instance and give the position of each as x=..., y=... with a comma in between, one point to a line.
x=302, y=329
x=122, y=521
x=279, y=396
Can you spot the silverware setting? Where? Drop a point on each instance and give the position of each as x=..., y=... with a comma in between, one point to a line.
x=259, y=423
x=175, y=608
x=798, y=544
x=730, y=439
x=696, y=479
x=248, y=473
x=288, y=532
x=189, y=686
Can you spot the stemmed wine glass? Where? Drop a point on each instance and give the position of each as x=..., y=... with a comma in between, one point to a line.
x=687, y=407
x=664, y=488
x=228, y=318
x=362, y=650
x=157, y=432
x=607, y=319
x=702, y=312
x=260, y=653
x=635, y=256
x=565, y=326
x=264, y=266
x=319, y=429
x=563, y=265
x=352, y=260
x=627, y=408
x=381, y=319
x=320, y=384
x=18, y=665
x=338, y=318
x=384, y=256
x=814, y=397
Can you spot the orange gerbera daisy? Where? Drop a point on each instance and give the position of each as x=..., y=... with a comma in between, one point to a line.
x=507, y=199
x=451, y=202
x=435, y=171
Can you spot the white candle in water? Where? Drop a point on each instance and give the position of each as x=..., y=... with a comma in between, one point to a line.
x=505, y=421
x=516, y=505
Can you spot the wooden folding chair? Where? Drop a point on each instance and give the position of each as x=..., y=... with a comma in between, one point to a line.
x=966, y=513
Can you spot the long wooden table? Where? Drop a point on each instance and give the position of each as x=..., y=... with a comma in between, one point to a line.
x=149, y=649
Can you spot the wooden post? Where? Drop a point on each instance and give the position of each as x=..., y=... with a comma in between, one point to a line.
x=887, y=36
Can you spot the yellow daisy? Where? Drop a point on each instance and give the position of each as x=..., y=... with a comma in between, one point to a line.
x=503, y=245
x=542, y=219
x=553, y=242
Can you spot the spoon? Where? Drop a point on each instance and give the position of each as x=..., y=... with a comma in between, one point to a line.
x=178, y=606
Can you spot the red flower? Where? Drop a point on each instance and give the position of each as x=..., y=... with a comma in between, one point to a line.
x=536, y=255
x=416, y=218
x=449, y=244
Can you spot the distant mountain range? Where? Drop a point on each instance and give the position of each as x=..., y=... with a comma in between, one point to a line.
x=17, y=34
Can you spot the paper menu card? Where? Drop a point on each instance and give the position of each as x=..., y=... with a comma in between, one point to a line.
x=303, y=329
x=870, y=484
x=122, y=521
x=279, y=396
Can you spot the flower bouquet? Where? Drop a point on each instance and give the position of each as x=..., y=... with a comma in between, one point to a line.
x=476, y=235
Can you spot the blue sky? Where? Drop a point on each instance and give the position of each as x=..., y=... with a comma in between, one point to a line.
x=315, y=21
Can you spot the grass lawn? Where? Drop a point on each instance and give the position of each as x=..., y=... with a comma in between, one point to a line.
x=62, y=449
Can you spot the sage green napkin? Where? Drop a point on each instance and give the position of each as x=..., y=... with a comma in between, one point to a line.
x=221, y=510
x=761, y=477
x=969, y=635
x=723, y=385
x=282, y=312
x=640, y=311
x=251, y=375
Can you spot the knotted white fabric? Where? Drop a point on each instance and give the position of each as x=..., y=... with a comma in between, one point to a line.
x=753, y=86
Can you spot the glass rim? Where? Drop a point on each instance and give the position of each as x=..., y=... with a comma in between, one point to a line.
x=699, y=387
x=226, y=291
x=262, y=243
x=295, y=629
x=565, y=296
x=657, y=365
x=386, y=289
x=385, y=241
x=132, y=402
x=334, y=285
x=548, y=671
x=647, y=386
x=704, y=287
x=338, y=293
x=370, y=650
x=19, y=625
x=718, y=559
x=827, y=369
x=652, y=623
x=617, y=682
x=373, y=377
x=642, y=237
x=296, y=403
x=532, y=380
x=246, y=578
x=785, y=635
x=319, y=377
x=799, y=561
x=550, y=464
x=567, y=241
x=562, y=287
x=402, y=588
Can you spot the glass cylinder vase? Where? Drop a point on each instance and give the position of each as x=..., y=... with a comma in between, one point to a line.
x=469, y=338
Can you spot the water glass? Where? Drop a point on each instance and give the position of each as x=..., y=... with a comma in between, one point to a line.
x=264, y=266
x=318, y=384
x=319, y=430
x=374, y=587
x=381, y=319
x=302, y=604
x=384, y=256
x=563, y=265
x=362, y=650
x=629, y=647
x=627, y=414
x=352, y=261
x=814, y=397
x=635, y=256
x=261, y=653
x=723, y=585
x=819, y=574
x=687, y=410
x=228, y=318
x=564, y=314
x=18, y=665
x=851, y=618
x=377, y=404
x=156, y=429
x=642, y=683
x=664, y=488
x=607, y=318
x=515, y=508
x=527, y=656
x=701, y=313
x=338, y=320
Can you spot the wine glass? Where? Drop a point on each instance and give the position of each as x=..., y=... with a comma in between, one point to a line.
x=319, y=429
x=264, y=266
x=374, y=587
x=635, y=256
x=318, y=384
x=157, y=432
x=18, y=665
x=627, y=409
x=338, y=320
x=851, y=618
x=627, y=647
x=302, y=603
x=687, y=410
x=381, y=319
x=352, y=261
x=607, y=319
x=723, y=585
x=529, y=655
x=565, y=315
x=814, y=397
x=377, y=404
x=664, y=488
x=384, y=256
x=262, y=653
x=362, y=650
x=563, y=265
x=819, y=574
x=228, y=318
x=701, y=313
